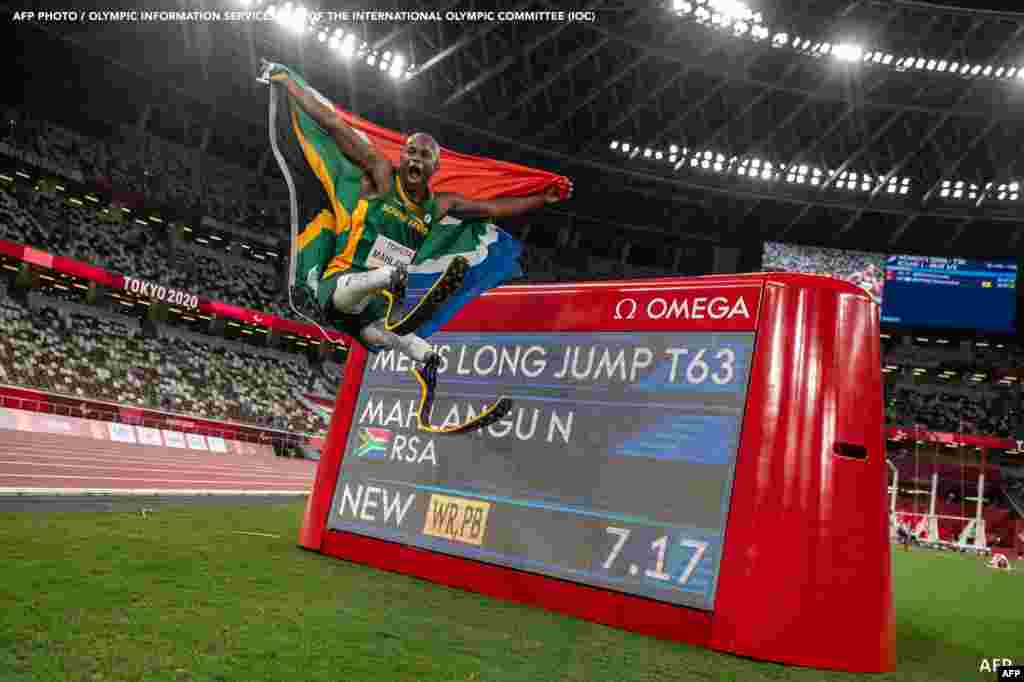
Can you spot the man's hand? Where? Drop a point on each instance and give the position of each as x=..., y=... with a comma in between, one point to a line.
x=552, y=195
x=272, y=71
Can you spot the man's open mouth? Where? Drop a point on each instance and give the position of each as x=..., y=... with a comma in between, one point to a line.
x=415, y=173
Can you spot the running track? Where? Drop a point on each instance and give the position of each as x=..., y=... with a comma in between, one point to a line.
x=40, y=463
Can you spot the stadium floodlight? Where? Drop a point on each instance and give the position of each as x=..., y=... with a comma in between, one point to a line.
x=718, y=166
x=614, y=144
x=848, y=52
x=919, y=63
x=731, y=10
x=987, y=71
x=705, y=164
x=672, y=159
x=1000, y=71
x=683, y=7
x=1014, y=186
x=965, y=69
x=371, y=59
x=647, y=153
x=702, y=15
x=766, y=174
x=740, y=28
x=348, y=45
x=941, y=66
x=780, y=40
x=976, y=69
x=322, y=36
x=673, y=149
x=658, y=155
x=759, y=33
x=930, y=65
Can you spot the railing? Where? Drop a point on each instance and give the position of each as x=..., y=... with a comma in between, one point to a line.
x=277, y=439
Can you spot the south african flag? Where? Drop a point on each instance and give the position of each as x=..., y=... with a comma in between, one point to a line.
x=373, y=443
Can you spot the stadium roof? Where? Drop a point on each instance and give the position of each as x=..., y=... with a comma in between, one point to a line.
x=835, y=123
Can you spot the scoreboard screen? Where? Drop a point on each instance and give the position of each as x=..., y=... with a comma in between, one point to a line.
x=950, y=292
x=614, y=468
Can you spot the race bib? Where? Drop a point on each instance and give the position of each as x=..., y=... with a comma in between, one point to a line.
x=389, y=252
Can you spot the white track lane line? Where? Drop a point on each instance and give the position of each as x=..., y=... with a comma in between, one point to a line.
x=135, y=478
x=148, y=492
x=44, y=460
x=161, y=470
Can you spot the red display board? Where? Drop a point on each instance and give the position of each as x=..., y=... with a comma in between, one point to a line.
x=697, y=459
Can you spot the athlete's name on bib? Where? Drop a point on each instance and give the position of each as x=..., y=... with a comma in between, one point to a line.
x=389, y=252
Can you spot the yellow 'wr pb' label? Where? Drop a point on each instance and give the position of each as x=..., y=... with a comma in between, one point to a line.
x=457, y=519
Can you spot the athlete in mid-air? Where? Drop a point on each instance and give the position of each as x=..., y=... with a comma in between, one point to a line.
x=395, y=212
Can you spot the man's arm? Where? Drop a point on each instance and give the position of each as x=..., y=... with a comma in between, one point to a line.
x=495, y=208
x=349, y=141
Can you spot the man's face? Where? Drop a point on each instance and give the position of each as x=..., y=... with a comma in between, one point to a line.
x=419, y=160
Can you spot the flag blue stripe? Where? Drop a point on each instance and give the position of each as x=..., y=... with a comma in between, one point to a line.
x=500, y=264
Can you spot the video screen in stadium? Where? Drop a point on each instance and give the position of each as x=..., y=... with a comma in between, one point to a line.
x=958, y=293
x=614, y=468
x=866, y=270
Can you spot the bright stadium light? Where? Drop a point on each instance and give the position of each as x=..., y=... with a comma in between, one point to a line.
x=371, y=59
x=848, y=52
x=658, y=155
x=731, y=10
x=614, y=144
x=673, y=149
x=987, y=71
x=780, y=40
x=322, y=36
x=930, y=65
x=1000, y=71
x=625, y=146
x=334, y=43
x=647, y=153
x=348, y=46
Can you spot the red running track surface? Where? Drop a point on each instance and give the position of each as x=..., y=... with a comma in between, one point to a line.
x=39, y=461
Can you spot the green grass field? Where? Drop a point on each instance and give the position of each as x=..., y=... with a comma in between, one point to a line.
x=185, y=595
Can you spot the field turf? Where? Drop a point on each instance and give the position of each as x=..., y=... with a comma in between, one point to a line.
x=191, y=593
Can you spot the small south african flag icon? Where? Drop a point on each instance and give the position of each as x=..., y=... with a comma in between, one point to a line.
x=373, y=443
